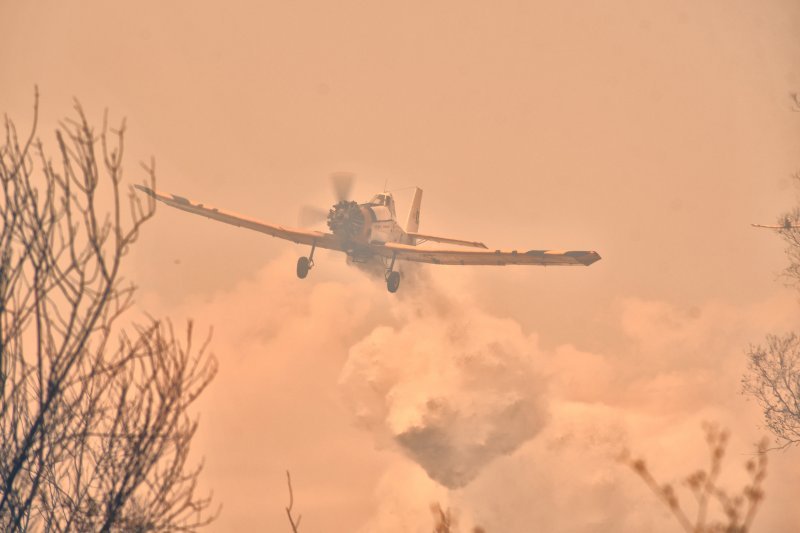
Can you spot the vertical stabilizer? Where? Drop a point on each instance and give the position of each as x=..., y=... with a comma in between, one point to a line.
x=412, y=226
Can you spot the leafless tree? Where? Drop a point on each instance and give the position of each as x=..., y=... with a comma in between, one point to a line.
x=773, y=376
x=790, y=233
x=94, y=425
x=773, y=379
x=738, y=509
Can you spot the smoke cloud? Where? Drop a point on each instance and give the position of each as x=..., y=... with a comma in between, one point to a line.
x=451, y=386
x=456, y=405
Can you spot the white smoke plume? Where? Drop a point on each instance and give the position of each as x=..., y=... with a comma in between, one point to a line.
x=429, y=364
x=451, y=386
x=434, y=384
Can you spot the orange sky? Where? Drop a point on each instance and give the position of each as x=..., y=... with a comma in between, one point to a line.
x=652, y=132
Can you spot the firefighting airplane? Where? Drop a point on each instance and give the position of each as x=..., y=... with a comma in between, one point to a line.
x=371, y=237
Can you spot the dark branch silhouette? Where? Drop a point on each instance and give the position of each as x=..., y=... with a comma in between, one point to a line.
x=295, y=522
x=773, y=380
x=443, y=519
x=739, y=510
x=94, y=425
x=773, y=376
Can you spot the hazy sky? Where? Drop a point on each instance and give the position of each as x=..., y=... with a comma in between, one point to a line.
x=652, y=132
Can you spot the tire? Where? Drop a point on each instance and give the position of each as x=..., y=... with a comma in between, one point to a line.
x=303, y=266
x=393, y=281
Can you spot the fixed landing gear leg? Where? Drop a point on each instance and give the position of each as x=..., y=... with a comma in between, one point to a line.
x=392, y=277
x=304, y=264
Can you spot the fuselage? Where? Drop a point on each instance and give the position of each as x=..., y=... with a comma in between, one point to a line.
x=362, y=225
x=383, y=226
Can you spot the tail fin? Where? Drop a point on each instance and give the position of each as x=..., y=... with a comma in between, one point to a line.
x=412, y=226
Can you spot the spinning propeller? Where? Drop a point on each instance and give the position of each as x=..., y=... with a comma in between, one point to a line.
x=345, y=218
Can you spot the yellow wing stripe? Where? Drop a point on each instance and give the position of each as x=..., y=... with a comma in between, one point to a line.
x=318, y=238
x=489, y=257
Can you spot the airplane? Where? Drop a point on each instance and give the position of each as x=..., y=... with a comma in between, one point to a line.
x=787, y=224
x=371, y=237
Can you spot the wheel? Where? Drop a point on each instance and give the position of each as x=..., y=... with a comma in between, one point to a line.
x=393, y=281
x=303, y=266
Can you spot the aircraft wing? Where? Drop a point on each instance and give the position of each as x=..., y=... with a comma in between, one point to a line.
x=300, y=236
x=487, y=257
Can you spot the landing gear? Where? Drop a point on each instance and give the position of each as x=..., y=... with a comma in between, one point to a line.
x=392, y=277
x=304, y=264
x=393, y=281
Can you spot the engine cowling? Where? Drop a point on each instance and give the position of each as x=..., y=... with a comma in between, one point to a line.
x=346, y=220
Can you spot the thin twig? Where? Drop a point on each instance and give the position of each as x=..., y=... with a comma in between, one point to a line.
x=295, y=523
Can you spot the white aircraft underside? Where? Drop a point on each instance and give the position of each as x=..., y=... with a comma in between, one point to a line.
x=371, y=237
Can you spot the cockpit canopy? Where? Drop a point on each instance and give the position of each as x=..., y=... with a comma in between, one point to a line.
x=383, y=199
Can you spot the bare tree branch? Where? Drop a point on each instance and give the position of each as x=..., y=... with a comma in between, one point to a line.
x=94, y=424
x=295, y=522
x=773, y=379
x=739, y=509
x=773, y=376
x=443, y=520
